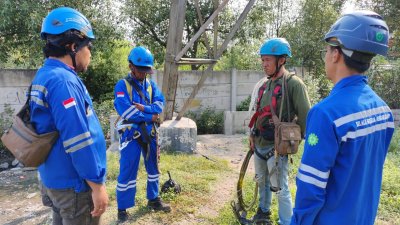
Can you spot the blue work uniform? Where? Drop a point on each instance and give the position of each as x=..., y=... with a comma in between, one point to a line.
x=347, y=139
x=60, y=101
x=130, y=146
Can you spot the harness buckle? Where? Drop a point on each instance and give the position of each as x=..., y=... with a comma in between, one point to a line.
x=136, y=135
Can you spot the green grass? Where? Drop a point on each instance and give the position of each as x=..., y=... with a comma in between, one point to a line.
x=196, y=175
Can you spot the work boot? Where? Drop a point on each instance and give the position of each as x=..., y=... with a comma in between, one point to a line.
x=262, y=218
x=122, y=215
x=157, y=205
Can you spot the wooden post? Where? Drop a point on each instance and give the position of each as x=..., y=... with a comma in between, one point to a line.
x=174, y=44
x=200, y=31
x=215, y=28
x=219, y=53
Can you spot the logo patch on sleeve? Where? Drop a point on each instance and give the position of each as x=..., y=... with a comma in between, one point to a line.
x=69, y=103
x=312, y=139
x=120, y=94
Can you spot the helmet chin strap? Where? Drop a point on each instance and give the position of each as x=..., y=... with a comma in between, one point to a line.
x=135, y=76
x=72, y=54
x=277, y=69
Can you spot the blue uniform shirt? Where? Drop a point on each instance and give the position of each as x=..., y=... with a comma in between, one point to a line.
x=347, y=138
x=60, y=101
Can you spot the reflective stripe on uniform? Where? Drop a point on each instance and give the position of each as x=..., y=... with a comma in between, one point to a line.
x=124, y=187
x=70, y=146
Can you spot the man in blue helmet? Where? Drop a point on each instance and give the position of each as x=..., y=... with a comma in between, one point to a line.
x=139, y=102
x=348, y=133
x=271, y=171
x=72, y=177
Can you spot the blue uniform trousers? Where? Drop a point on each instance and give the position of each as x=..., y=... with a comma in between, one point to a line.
x=129, y=163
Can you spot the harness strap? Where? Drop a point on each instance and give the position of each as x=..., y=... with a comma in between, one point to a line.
x=145, y=140
x=266, y=110
x=267, y=156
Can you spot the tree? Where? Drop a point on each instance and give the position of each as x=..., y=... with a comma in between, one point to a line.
x=149, y=21
x=20, y=44
x=306, y=34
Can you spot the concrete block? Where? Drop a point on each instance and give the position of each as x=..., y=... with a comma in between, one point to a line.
x=228, y=122
x=178, y=135
x=236, y=122
x=113, y=132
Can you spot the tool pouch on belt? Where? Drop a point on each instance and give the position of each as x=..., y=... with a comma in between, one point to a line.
x=287, y=134
x=30, y=148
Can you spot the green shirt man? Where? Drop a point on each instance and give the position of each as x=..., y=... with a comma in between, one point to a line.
x=272, y=173
x=299, y=104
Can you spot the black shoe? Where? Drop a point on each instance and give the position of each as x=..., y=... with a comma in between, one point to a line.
x=122, y=215
x=157, y=205
x=262, y=217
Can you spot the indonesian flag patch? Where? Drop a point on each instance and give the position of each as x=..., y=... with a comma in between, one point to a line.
x=120, y=94
x=69, y=103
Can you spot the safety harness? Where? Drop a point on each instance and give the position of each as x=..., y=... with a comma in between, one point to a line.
x=144, y=141
x=266, y=110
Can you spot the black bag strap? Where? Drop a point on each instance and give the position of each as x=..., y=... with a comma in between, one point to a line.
x=137, y=88
x=24, y=113
x=143, y=129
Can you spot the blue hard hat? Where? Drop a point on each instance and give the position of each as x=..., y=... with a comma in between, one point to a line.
x=362, y=31
x=276, y=46
x=63, y=19
x=141, y=57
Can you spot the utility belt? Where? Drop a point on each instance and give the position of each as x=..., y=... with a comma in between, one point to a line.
x=137, y=129
x=266, y=156
x=129, y=131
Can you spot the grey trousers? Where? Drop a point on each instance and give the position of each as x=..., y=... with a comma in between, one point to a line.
x=69, y=207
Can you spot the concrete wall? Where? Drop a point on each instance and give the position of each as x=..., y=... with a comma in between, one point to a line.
x=236, y=122
x=222, y=90
x=13, y=87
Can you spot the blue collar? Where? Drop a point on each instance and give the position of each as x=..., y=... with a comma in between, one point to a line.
x=58, y=63
x=352, y=80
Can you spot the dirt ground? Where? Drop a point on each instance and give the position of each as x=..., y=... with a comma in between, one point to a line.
x=20, y=201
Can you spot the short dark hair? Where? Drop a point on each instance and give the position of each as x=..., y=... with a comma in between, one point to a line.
x=53, y=50
x=356, y=65
x=56, y=45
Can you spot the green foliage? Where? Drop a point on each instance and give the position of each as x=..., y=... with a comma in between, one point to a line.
x=208, y=121
x=5, y=123
x=106, y=69
x=241, y=57
x=312, y=85
x=103, y=111
x=20, y=44
x=385, y=80
x=389, y=204
x=244, y=105
x=21, y=47
x=394, y=146
x=150, y=20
